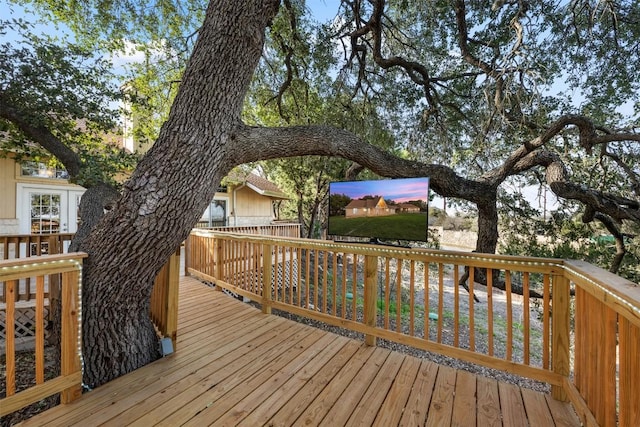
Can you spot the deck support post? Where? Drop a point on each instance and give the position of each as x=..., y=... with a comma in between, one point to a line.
x=54, y=279
x=370, y=294
x=560, y=355
x=70, y=334
x=267, y=277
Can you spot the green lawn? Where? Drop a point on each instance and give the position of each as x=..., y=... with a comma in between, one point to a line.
x=395, y=227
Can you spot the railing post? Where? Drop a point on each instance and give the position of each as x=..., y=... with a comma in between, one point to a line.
x=69, y=341
x=171, y=304
x=219, y=260
x=55, y=244
x=370, y=294
x=560, y=356
x=187, y=255
x=54, y=281
x=267, y=282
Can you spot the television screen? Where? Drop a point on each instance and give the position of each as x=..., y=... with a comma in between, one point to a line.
x=388, y=209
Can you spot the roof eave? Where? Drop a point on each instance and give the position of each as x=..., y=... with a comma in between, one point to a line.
x=267, y=193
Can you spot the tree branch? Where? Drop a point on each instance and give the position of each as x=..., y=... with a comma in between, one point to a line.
x=621, y=250
x=557, y=177
x=587, y=136
x=256, y=143
x=41, y=135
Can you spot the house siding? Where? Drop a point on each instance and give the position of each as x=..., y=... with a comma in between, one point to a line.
x=361, y=212
x=250, y=208
x=7, y=194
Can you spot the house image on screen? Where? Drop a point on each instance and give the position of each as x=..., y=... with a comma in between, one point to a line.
x=407, y=208
x=368, y=207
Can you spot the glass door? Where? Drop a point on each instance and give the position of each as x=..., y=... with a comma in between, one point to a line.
x=46, y=209
x=215, y=215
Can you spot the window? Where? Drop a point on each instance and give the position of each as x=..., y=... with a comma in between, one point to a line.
x=215, y=215
x=45, y=213
x=41, y=170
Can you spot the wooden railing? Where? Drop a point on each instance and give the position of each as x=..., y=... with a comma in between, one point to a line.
x=164, y=299
x=605, y=385
x=29, y=286
x=28, y=245
x=274, y=230
x=39, y=269
x=164, y=296
x=410, y=296
x=279, y=230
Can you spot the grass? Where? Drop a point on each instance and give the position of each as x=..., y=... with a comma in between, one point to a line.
x=405, y=309
x=403, y=226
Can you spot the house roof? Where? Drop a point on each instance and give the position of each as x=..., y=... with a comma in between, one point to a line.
x=360, y=204
x=260, y=185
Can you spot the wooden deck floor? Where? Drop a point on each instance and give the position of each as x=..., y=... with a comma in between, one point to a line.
x=237, y=366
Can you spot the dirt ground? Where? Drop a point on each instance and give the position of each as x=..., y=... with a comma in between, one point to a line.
x=25, y=378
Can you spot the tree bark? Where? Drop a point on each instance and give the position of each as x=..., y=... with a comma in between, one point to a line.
x=94, y=203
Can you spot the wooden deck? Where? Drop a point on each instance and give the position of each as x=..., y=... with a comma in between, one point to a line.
x=237, y=366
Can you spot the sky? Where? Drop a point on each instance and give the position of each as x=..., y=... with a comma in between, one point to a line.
x=398, y=190
x=323, y=10
x=13, y=11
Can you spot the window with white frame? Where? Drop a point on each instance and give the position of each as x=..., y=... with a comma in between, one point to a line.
x=42, y=170
x=45, y=213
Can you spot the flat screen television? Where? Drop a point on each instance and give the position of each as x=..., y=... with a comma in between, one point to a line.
x=382, y=210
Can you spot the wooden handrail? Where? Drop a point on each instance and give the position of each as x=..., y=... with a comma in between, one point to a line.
x=330, y=281
x=281, y=230
x=69, y=383
x=19, y=246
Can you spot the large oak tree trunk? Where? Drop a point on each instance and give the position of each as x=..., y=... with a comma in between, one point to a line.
x=178, y=175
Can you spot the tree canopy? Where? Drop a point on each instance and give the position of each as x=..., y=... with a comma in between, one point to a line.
x=59, y=96
x=499, y=93
x=477, y=96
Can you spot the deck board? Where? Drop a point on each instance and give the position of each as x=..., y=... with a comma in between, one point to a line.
x=355, y=390
x=393, y=406
x=441, y=407
x=235, y=365
x=415, y=412
x=464, y=404
x=365, y=412
x=513, y=412
x=294, y=408
x=488, y=403
x=320, y=407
